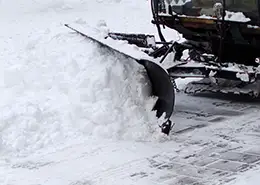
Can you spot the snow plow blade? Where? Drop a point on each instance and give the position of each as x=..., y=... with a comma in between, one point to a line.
x=162, y=86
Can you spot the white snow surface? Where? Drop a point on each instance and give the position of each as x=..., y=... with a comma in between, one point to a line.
x=71, y=113
x=251, y=177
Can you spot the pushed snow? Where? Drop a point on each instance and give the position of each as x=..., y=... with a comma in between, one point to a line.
x=61, y=87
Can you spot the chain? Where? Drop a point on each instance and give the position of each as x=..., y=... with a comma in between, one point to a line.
x=175, y=85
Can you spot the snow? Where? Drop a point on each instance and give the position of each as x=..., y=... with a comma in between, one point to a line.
x=231, y=16
x=243, y=76
x=82, y=94
x=236, y=16
x=176, y=2
x=251, y=177
x=74, y=114
x=212, y=73
x=100, y=34
x=151, y=41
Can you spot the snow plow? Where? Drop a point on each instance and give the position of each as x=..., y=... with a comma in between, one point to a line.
x=222, y=42
x=221, y=47
x=161, y=85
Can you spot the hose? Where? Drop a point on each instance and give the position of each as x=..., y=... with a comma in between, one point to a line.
x=154, y=7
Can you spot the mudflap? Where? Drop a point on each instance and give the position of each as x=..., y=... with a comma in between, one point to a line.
x=162, y=86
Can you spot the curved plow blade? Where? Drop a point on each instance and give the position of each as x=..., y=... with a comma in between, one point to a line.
x=162, y=86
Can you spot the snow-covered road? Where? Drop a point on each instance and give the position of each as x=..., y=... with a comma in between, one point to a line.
x=65, y=118
x=212, y=144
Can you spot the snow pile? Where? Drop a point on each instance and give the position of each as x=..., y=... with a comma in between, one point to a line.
x=62, y=87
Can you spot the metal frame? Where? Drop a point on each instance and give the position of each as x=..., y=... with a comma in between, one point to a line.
x=179, y=47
